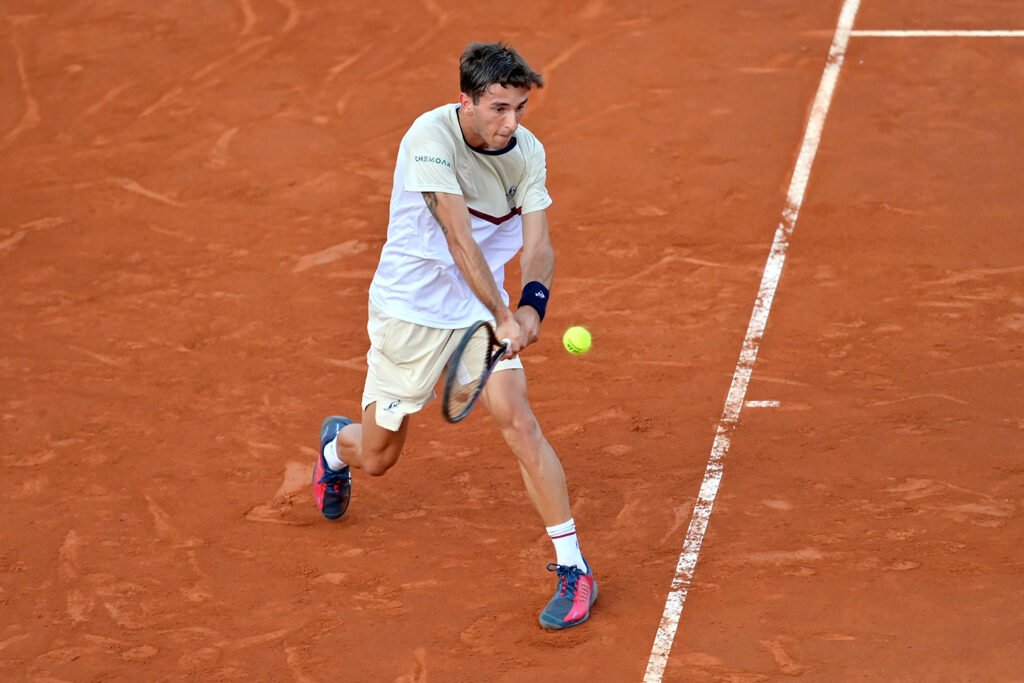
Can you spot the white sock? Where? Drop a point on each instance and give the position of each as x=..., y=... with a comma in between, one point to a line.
x=567, y=546
x=331, y=456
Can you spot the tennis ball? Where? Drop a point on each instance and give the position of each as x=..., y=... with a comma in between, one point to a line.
x=576, y=340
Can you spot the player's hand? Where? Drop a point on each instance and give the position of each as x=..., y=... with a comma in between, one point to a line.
x=509, y=328
x=529, y=323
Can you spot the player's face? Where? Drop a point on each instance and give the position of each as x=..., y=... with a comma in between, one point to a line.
x=494, y=118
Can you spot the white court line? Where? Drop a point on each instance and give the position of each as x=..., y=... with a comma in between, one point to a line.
x=748, y=355
x=938, y=34
x=763, y=404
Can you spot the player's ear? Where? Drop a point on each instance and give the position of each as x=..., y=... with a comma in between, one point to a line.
x=466, y=102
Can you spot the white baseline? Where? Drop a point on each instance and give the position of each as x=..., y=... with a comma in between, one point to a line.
x=748, y=355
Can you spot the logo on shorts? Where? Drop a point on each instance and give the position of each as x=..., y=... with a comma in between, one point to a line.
x=391, y=406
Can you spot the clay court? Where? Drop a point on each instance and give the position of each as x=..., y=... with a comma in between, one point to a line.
x=788, y=459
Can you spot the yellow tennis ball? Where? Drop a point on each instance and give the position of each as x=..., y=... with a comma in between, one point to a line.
x=576, y=340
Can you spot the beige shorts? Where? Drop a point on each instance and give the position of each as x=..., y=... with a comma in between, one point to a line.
x=404, y=363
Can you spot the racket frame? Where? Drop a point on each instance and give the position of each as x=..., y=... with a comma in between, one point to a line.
x=496, y=353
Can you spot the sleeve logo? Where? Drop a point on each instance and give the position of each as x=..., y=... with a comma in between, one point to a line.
x=433, y=160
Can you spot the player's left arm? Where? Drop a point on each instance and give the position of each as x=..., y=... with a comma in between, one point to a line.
x=537, y=262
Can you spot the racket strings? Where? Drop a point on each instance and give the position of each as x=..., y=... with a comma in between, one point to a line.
x=470, y=369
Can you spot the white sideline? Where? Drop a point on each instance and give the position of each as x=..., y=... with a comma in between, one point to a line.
x=938, y=34
x=748, y=355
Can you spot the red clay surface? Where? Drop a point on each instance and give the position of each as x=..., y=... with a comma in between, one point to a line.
x=193, y=203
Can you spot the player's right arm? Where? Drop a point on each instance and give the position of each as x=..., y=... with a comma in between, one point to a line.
x=452, y=214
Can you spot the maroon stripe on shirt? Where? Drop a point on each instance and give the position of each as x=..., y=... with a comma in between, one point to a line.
x=494, y=219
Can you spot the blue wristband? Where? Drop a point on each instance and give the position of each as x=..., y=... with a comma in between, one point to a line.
x=535, y=295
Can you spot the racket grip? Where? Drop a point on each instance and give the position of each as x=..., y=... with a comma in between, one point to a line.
x=506, y=343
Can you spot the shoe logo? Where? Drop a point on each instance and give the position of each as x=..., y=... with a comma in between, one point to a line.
x=391, y=406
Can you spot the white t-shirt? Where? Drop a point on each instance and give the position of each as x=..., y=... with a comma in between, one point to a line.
x=417, y=279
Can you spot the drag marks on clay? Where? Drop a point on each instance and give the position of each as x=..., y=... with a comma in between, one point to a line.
x=484, y=634
x=995, y=365
x=248, y=18
x=601, y=116
x=612, y=414
x=783, y=61
x=296, y=479
x=11, y=241
x=13, y=640
x=26, y=229
x=642, y=275
x=419, y=670
x=715, y=264
x=289, y=504
x=292, y=20
x=621, y=28
x=380, y=599
x=107, y=98
x=717, y=671
x=218, y=157
x=295, y=656
x=779, y=558
x=239, y=58
x=777, y=504
x=337, y=69
x=30, y=118
x=681, y=514
x=133, y=186
x=943, y=397
x=341, y=104
x=78, y=606
x=412, y=50
x=331, y=254
x=357, y=364
x=99, y=357
x=952, y=502
x=972, y=275
x=206, y=647
x=780, y=649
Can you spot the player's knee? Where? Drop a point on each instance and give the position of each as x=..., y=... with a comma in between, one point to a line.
x=522, y=431
x=376, y=468
x=377, y=463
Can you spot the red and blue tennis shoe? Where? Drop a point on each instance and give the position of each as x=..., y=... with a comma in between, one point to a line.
x=574, y=595
x=331, y=490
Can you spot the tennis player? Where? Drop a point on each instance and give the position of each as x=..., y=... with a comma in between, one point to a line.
x=469, y=195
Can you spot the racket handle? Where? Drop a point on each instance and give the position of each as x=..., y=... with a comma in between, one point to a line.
x=507, y=343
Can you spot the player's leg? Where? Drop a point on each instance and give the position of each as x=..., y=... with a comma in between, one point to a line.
x=367, y=446
x=576, y=590
x=505, y=398
x=370, y=447
x=403, y=365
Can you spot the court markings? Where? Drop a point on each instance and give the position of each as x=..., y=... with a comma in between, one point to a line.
x=751, y=342
x=735, y=400
x=938, y=34
x=762, y=404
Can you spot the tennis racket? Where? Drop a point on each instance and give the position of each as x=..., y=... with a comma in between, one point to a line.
x=468, y=369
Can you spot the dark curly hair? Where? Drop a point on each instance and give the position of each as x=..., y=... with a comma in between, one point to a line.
x=484, y=64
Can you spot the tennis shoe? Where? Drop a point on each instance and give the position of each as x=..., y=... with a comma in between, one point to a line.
x=574, y=595
x=331, y=490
